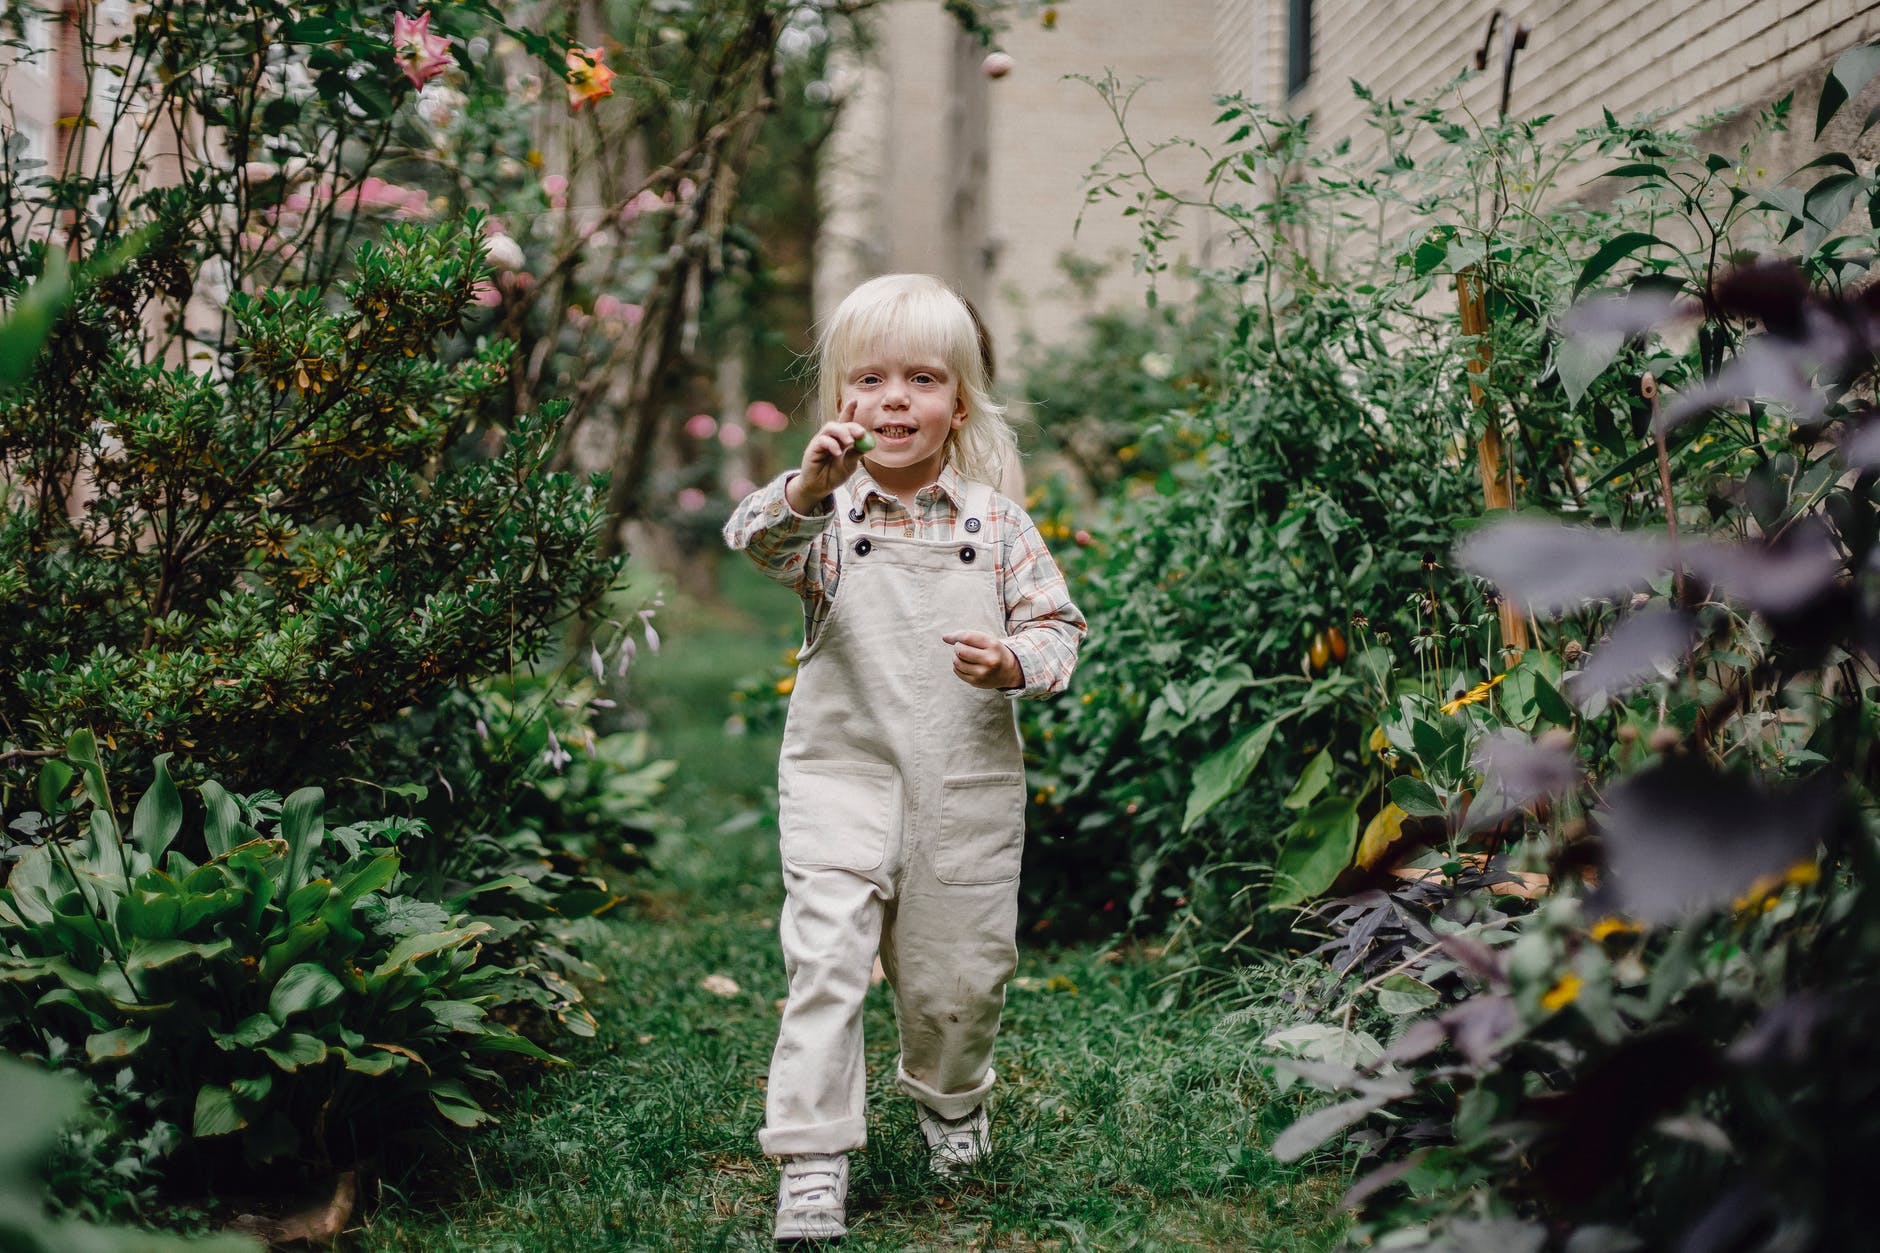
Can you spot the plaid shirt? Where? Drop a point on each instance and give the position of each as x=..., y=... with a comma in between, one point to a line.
x=804, y=552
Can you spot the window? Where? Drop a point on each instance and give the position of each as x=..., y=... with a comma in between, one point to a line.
x=1298, y=44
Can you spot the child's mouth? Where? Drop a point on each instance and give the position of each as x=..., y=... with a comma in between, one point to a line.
x=892, y=433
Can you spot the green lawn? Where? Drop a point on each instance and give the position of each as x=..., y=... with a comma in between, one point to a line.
x=1127, y=1118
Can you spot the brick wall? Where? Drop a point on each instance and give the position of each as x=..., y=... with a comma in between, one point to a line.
x=1681, y=57
x=921, y=120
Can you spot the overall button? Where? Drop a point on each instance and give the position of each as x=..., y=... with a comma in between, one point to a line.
x=967, y=554
x=855, y=514
x=972, y=526
x=862, y=547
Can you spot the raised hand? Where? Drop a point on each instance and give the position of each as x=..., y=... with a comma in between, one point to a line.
x=981, y=660
x=830, y=458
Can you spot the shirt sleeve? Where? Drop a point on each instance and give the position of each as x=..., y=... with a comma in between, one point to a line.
x=1044, y=629
x=783, y=543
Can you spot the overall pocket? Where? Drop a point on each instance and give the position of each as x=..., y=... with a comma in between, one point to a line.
x=981, y=836
x=837, y=814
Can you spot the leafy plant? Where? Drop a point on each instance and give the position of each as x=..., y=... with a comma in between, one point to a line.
x=1674, y=1049
x=38, y=1104
x=288, y=989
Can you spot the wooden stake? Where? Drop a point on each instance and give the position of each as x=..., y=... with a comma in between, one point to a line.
x=1496, y=492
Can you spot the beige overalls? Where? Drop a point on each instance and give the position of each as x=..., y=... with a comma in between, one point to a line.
x=902, y=799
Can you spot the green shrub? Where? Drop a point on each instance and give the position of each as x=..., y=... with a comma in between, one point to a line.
x=258, y=567
x=1315, y=486
x=289, y=989
x=37, y=1105
x=1675, y=1047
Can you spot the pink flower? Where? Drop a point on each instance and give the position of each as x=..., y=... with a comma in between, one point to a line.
x=701, y=426
x=422, y=55
x=485, y=295
x=555, y=187
x=691, y=499
x=588, y=76
x=765, y=416
x=731, y=435
x=740, y=487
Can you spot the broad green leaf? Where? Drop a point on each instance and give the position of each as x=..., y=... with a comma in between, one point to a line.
x=305, y=899
x=1852, y=71
x=507, y=1041
x=295, y=1051
x=1638, y=169
x=222, y=818
x=153, y=954
x=369, y=1063
x=216, y=1112
x=367, y=879
x=454, y=1101
x=411, y=948
x=1312, y=781
x=150, y=914
x=1318, y=848
x=279, y=956
x=1610, y=253
x=159, y=813
x=1580, y=359
x=82, y=751
x=1416, y=798
x=304, y=987
x=108, y=1046
x=55, y=779
x=303, y=826
x=1401, y=994
x=1223, y=772
x=457, y=1015
x=252, y=1030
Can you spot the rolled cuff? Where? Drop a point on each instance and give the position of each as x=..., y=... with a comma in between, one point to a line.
x=839, y=1136
x=949, y=1105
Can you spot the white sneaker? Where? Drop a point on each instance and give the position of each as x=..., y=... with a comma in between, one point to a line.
x=812, y=1197
x=955, y=1142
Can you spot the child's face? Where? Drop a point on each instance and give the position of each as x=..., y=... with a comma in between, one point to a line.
x=911, y=404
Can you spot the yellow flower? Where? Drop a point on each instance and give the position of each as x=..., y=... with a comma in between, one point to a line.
x=1606, y=928
x=1474, y=695
x=1565, y=991
x=1762, y=894
x=786, y=684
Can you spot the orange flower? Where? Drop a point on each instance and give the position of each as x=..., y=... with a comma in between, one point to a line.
x=588, y=76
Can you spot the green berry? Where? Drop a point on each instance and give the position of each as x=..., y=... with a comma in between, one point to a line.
x=865, y=443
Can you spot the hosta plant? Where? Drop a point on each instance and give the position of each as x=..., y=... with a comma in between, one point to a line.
x=284, y=990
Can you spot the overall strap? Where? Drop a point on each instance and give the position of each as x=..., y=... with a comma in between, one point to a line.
x=975, y=522
x=843, y=500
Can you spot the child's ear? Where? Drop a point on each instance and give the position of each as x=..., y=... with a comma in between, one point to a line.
x=959, y=408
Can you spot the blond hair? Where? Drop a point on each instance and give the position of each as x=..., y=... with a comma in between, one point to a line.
x=918, y=316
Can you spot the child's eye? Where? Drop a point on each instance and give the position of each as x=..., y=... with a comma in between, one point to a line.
x=924, y=378
x=869, y=379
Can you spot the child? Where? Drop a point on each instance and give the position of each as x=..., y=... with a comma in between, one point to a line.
x=928, y=601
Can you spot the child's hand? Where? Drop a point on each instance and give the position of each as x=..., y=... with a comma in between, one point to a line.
x=828, y=461
x=981, y=660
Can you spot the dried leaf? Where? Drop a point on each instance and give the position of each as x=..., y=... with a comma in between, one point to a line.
x=720, y=985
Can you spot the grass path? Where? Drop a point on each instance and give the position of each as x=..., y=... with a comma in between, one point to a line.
x=1124, y=1120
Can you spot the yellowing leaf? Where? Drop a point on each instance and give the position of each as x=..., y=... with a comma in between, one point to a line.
x=1380, y=833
